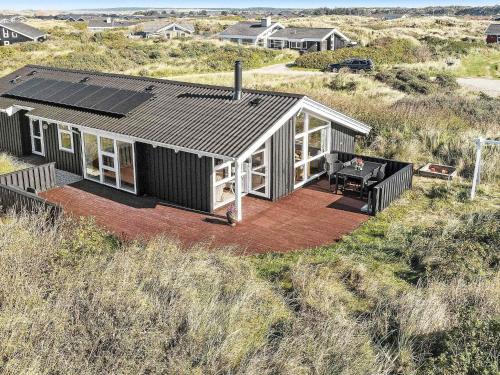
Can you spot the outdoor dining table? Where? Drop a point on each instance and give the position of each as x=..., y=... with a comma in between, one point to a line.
x=370, y=169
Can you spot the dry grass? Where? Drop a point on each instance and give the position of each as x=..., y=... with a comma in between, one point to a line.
x=73, y=300
x=9, y=164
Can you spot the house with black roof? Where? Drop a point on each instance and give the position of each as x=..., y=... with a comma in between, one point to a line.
x=107, y=23
x=275, y=35
x=197, y=146
x=493, y=33
x=167, y=29
x=18, y=32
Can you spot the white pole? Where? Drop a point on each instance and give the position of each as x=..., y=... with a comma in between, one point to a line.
x=237, y=190
x=475, y=179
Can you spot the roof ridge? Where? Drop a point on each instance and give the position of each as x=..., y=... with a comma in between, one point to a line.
x=164, y=81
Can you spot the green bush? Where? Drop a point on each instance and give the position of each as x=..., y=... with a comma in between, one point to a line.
x=382, y=52
x=470, y=348
x=415, y=82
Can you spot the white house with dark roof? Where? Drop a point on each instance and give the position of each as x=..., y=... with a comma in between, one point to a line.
x=167, y=29
x=275, y=35
x=18, y=32
x=251, y=33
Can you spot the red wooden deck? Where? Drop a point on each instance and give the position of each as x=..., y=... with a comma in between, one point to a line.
x=310, y=217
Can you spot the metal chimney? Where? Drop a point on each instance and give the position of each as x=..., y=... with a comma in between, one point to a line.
x=266, y=22
x=238, y=80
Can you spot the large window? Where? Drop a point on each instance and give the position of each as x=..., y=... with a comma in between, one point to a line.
x=254, y=177
x=224, y=184
x=275, y=43
x=311, y=145
x=65, y=136
x=109, y=161
x=296, y=45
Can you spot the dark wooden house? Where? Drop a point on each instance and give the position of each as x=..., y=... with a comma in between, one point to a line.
x=196, y=146
x=493, y=33
x=18, y=32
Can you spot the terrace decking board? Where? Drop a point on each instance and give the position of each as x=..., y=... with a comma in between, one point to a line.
x=310, y=217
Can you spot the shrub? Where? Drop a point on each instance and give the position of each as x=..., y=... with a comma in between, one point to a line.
x=382, y=51
x=473, y=347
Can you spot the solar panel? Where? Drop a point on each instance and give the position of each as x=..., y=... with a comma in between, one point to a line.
x=79, y=95
x=97, y=97
x=26, y=86
x=113, y=100
x=68, y=91
x=130, y=103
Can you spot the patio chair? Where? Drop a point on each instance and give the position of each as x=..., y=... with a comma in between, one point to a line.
x=378, y=176
x=332, y=165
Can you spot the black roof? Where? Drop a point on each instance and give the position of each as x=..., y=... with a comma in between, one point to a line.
x=250, y=29
x=185, y=115
x=302, y=33
x=493, y=29
x=23, y=29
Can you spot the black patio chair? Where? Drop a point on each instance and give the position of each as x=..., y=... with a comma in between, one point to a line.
x=378, y=176
x=332, y=165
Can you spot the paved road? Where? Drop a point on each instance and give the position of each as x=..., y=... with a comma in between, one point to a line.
x=285, y=69
x=486, y=85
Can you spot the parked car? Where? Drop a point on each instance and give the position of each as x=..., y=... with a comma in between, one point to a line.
x=355, y=65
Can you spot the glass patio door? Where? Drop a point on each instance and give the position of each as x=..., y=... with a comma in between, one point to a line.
x=109, y=161
x=258, y=170
x=36, y=133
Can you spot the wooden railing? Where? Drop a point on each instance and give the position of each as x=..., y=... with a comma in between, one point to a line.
x=18, y=190
x=398, y=178
x=37, y=178
x=12, y=198
x=390, y=189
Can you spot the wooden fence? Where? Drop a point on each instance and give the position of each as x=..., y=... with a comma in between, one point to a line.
x=391, y=188
x=14, y=186
x=12, y=198
x=398, y=178
x=37, y=178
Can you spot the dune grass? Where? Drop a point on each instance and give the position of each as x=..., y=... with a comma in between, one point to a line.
x=75, y=300
x=9, y=164
x=484, y=64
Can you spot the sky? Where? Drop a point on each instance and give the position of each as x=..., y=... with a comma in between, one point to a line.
x=88, y=4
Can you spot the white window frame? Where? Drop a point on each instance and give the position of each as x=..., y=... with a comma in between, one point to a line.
x=305, y=148
x=116, y=160
x=6, y=43
x=67, y=131
x=40, y=137
x=14, y=35
x=296, y=45
x=265, y=148
x=5, y=32
x=231, y=166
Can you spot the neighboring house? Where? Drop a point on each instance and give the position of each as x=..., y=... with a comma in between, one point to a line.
x=493, y=33
x=107, y=24
x=274, y=35
x=250, y=32
x=196, y=146
x=165, y=29
x=308, y=39
x=18, y=32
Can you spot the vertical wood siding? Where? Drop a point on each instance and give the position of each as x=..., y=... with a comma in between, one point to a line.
x=282, y=160
x=40, y=178
x=342, y=139
x=66, y=161
x=181, y=178
x=11, y=139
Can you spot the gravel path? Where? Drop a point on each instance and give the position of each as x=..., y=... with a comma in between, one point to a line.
x=285, y=69
x=487, y=85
